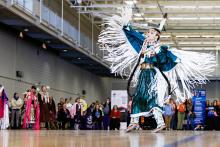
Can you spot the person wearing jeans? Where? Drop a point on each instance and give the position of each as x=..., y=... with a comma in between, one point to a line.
x=190, y=115
x=16, y=105
x=106, y=111
x=168, y=112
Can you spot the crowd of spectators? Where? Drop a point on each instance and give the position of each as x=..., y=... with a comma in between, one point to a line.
x=181, y=116
x=77, y=114
x=67, y=114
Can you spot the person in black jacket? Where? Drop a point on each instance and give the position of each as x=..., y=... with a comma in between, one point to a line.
x=106, y=111
x=64, y=116
x=52, y=113
x=97, y=117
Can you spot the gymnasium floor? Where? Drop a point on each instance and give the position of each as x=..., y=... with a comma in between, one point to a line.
x=44, y=138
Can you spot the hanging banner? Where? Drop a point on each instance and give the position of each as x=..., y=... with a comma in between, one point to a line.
x=199, y=102
x=119, y=98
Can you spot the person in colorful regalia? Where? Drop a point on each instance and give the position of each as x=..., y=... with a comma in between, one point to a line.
x=156, y=71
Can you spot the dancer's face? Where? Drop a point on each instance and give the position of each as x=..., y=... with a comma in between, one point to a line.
x=152, y=34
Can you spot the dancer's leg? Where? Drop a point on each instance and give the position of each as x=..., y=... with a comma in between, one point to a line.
x=134, y=124
x=159, y=119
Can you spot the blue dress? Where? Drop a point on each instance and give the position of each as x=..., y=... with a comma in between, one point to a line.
x=143, y=101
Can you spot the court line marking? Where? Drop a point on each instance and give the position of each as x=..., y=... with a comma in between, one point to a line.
x=184, y=140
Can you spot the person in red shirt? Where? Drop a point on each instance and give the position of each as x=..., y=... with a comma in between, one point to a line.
x=115, y=118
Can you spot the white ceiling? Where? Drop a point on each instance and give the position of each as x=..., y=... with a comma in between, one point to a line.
x=191, y=24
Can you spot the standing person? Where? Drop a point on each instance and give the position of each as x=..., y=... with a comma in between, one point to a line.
x=64, y=116
x=106, y=111
x=16, y=105
x=129, y=111
x=157, y=77
x=43, y=98
x=88, y=120
x=59, y=108
x=4, y=112
x=76, y=114
x=210, y=118
x=190, y=115
x=217, y=117
x=173, y=124
x=115, y=118
x=168, y=113
x=60, y=104
x=68, y=103
x=52, y=113
x=97, y=117
x=181, y=115
x=32, y=110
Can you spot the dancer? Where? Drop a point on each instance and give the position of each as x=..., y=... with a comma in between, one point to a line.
x=32, y=110
x=153, y=68
x=4, y=113
x=43, y=99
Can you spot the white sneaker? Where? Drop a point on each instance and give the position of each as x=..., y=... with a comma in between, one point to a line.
x=159, y=129
x=132, y=127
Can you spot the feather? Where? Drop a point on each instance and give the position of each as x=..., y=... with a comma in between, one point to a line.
x=120, y=54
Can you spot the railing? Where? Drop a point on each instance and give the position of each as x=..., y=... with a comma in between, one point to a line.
x=54, y=21
x=27, y=5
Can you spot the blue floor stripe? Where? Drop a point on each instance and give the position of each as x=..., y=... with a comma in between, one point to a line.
x=185, y=140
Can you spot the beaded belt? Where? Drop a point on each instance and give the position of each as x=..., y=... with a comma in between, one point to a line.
x=146, y=66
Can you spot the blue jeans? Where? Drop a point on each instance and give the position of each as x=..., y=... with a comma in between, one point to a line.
x=190, y=122
x=106, y=122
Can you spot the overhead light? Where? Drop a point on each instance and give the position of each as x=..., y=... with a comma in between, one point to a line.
x=138, y=18
x=194, y=36
x=209, y=18
x=188, y=36
x=167, y=43
x=175, y=18
x=164, y=36
x=178, y=7
x=207, y=36
x=190, y=18
x=183, y=18
x=171, y=7
x=152, y=7
x=153, y=18
x=44, y=46
x=190, y=42
x=188, y=7
x=130, y=2
x=79, y=58
x=205, y=7
x=65, y=50
x=21, y=35
x=206, y=18
x=181, y=36
x=138, y=14
x=198, y=48
x=26, y=29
